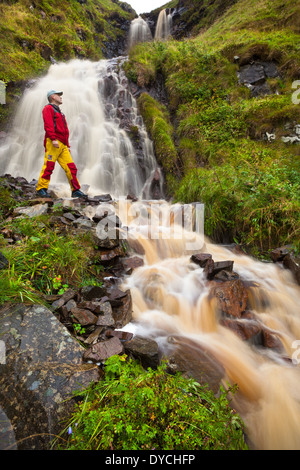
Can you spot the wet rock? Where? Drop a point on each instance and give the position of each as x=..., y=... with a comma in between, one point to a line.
x=132, y=263
x=70, y=304
x=93, y=305
x=122, y=308
x=116, y=296
x=194, y=360
x=102, y=198
x=231, y=297
x=103, y=211
x=43, y=367
x=143, y=349
x=201, y=259
x=108, y=256
x=279, y=253
x=102, y=350
x=122, y=335
x=155, y=189
x=69, y=217
x=83, y=223
x=271, y=341
x=245, y=329
x=292, y=263
x=211, y=267
x=220, y=266
x=226, y=276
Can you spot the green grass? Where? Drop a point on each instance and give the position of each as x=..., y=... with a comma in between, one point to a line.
x=135, y=409
x=44, y=261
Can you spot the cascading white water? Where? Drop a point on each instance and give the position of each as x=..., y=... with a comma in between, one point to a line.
x=164, y=25
x=96, y=98
x=139, y=31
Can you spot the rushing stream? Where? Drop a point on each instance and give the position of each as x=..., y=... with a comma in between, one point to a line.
x=171, y=297
x=170, y=294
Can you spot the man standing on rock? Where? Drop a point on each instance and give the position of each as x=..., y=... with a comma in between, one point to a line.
x=57, y=147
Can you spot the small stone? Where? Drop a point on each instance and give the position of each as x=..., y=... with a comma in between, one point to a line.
x=102, y=350
x=122, y=335
x=84, y=317
x=201, y=259
x=106, y=315
x=92, y=292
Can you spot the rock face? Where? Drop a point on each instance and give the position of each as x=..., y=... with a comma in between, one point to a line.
x=43, y=366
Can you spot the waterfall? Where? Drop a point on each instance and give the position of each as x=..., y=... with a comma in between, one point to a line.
x=163, y=25
x=101, y=112
x=139, y=31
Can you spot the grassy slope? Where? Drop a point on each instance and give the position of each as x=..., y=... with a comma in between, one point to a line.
x=250, y=186
x=32, y=32
x=63, y=29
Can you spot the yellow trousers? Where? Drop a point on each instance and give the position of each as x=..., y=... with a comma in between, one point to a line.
x=63, y=157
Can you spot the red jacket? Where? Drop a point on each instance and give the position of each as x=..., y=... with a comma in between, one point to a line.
x=55, y=124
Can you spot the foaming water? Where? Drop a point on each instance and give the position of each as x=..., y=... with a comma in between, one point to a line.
x=96, y=103
x=171, y=297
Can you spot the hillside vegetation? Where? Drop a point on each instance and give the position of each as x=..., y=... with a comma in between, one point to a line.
x=225, y=145
x=34, y=33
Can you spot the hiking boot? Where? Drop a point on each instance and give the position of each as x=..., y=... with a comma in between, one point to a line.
x=78, y=193
x=43, y=193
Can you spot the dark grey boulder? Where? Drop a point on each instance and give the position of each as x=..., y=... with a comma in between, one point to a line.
x=41, y=368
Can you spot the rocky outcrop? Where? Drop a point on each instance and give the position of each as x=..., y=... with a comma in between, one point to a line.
x=43, y=366
x=254, y=75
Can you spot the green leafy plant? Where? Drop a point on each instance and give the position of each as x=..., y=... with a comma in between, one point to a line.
x=137, y=409
x=78, y=328
x=58, y=286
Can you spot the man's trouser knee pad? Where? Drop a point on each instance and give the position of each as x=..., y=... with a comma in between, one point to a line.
x=63, y=157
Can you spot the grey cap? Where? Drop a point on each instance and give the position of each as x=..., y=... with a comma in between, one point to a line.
x=53, y=92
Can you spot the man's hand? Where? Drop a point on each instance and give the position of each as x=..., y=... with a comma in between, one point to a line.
x=55, y=143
